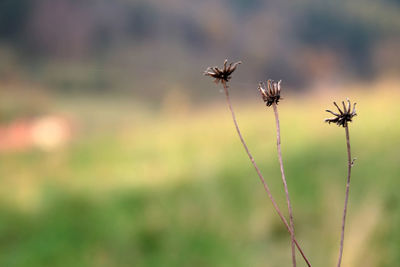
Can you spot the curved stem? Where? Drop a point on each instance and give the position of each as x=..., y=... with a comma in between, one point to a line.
x=261, y=176
x=349, y=163
x=278, y=144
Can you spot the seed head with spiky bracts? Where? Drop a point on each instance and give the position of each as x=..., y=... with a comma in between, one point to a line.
x=344, y=116
x=222, y=75
x=272, y=93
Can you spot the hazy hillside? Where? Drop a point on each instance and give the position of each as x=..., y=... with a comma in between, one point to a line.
x=120, y=45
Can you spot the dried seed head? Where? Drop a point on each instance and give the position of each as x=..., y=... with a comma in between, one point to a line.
x=222, y=75
x=272, y=93
x=344, y=116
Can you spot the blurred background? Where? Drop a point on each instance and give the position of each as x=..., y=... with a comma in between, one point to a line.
x=115, y=150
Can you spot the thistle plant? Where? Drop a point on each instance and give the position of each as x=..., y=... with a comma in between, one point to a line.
x=271, y=95
x=342, y=119
x=223, y=75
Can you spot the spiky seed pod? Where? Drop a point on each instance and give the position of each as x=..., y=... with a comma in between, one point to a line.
x=271, y=93
x=344, y=116
x=224, y=74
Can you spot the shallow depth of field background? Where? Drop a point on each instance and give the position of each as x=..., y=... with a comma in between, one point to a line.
x=116, y=151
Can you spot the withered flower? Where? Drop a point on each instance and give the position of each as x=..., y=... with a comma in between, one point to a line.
x=224, y=74
x=272, y=93
x=344, y=116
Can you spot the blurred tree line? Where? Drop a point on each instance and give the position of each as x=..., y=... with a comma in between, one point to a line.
x=113, y=45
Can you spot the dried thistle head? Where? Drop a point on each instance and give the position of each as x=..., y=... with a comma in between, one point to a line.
x=344, y=116
x=222, y=75
x=271, y=93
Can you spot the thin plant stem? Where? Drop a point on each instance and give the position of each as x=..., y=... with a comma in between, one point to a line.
x=278, y=144
x=260, y=175
x=350, y=164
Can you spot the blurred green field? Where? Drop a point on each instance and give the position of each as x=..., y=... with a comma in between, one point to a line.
x=137, y=187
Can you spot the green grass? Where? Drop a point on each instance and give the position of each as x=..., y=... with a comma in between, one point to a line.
x=178, y=190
